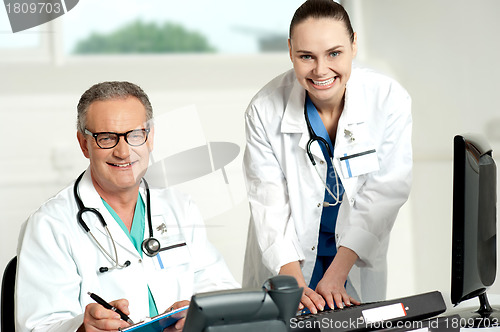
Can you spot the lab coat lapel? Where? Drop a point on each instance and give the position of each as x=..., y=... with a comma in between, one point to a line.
x=353, y=112
x=348, y=116
x=91, y=198
x=294, y=120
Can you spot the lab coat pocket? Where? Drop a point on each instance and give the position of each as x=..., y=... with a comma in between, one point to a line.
x=174, y=276
x=174, y=252
x=359, y=155
x=362, y=162
x=172, y=256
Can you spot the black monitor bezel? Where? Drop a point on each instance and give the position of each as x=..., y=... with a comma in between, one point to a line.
x=477, y=147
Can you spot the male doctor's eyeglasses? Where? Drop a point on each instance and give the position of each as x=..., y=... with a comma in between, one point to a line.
x=108, y=140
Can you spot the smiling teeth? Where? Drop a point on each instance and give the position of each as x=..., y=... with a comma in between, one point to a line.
x=322, y=83
x=123, y=165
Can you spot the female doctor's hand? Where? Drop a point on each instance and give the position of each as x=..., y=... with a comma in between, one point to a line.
x=332, y=289
x=98, y=318
x=310, y=299
x=331, y=286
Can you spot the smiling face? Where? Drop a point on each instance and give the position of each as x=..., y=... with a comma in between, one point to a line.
x=322, y=52
x=120, y=168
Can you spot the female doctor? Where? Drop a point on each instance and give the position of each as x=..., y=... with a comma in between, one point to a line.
x=328, y=165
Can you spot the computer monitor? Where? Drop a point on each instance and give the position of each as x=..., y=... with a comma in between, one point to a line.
x=474, y=248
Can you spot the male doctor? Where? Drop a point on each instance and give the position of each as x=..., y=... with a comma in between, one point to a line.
x=65, y=251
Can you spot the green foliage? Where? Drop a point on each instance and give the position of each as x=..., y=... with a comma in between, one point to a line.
x=139, y=37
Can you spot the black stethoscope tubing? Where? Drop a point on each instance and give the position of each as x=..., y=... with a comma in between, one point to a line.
x=150, y=246
x=314, y=138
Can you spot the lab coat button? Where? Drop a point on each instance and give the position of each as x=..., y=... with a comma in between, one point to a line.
x=321, y=162
x=319, y=204
x=313, y=248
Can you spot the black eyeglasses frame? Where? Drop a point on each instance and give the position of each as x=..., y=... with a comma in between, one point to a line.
x=125, y=134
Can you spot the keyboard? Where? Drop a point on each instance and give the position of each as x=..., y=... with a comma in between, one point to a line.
x=372, y=316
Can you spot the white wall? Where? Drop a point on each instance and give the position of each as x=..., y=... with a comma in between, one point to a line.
x=444, y=52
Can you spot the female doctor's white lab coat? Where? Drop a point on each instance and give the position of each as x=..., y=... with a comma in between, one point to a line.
x=286, y=193
x=58, y=263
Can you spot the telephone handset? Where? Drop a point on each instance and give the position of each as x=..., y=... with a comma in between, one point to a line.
x=246, y=310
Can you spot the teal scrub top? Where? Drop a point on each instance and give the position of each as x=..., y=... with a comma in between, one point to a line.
x=136, y=236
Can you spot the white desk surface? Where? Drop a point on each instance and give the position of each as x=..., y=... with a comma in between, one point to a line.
x=473, y=304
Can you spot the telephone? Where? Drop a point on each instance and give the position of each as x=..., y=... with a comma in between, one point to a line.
x=246, y=310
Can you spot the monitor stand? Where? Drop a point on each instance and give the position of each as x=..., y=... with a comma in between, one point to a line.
x=484, y=317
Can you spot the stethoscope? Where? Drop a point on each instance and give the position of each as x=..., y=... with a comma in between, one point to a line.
x=150, y=246
x=315, y=138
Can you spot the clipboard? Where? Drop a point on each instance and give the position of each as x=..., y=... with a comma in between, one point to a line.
x=160, y=322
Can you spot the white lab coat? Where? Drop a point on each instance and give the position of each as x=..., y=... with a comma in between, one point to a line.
x=286, y=194
x=58, y=262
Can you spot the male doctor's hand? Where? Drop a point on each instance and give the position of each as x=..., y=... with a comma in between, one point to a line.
x=98, y=318
x=179, y=325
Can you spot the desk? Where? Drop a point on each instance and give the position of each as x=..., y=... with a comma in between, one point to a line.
x=472, y=305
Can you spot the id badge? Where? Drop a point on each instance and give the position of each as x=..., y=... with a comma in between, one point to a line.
x=359, y=156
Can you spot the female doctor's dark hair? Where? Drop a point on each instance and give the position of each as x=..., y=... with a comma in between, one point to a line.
x=322, y=9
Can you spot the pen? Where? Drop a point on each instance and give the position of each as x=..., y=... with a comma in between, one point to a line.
x=110, y=307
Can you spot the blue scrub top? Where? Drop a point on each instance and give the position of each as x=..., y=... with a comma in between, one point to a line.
x=136, y=236
x=327, y=248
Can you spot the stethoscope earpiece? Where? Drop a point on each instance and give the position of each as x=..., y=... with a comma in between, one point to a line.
x=106, y=269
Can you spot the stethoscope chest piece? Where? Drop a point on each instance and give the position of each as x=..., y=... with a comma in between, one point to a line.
x=151, y=246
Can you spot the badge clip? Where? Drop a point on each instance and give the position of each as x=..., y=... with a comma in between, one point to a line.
x=349, y=134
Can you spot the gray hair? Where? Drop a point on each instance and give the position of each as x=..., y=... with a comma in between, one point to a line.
x=107, y=91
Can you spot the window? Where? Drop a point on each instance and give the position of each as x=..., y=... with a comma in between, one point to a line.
x=25, y=44
x=225, y=26
x=228, y=26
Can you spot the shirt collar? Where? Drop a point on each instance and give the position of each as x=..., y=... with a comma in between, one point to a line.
x=293, y=117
